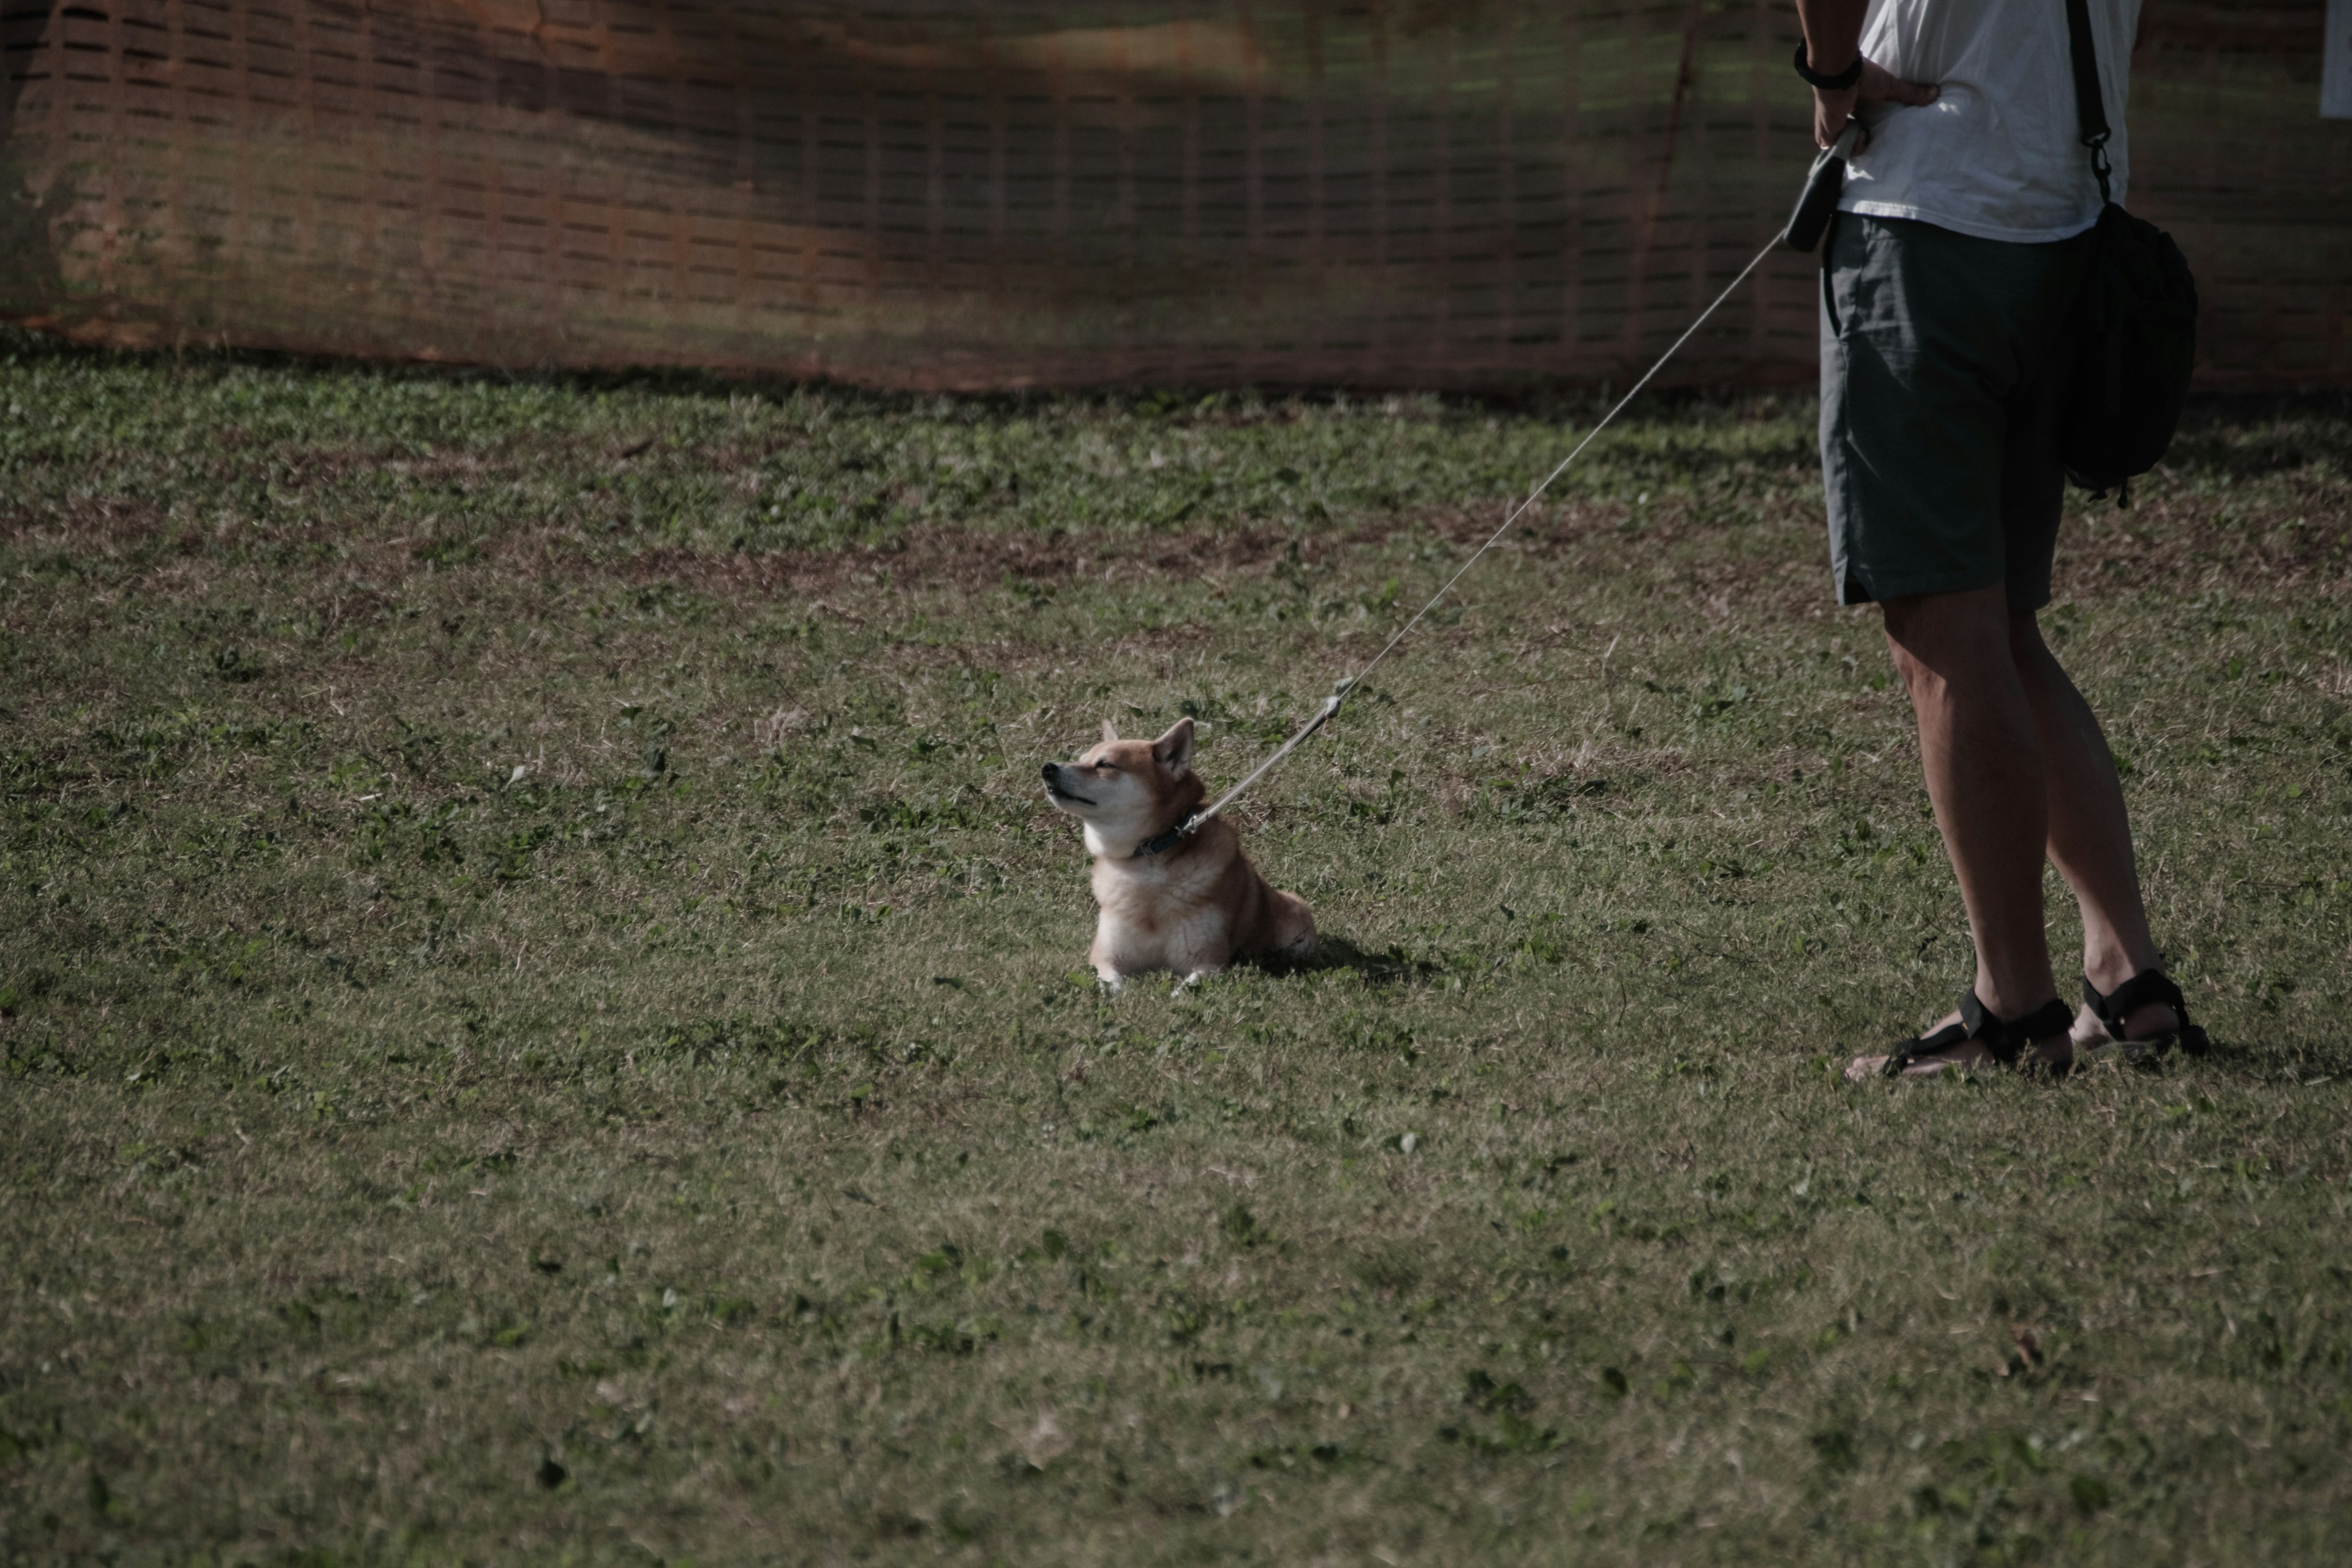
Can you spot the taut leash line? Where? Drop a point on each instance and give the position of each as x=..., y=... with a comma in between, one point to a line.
x=1803, y=232
x=1532, y=497
x=1347, y=684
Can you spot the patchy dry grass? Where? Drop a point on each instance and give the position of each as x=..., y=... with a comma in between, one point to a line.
x=542, y=1016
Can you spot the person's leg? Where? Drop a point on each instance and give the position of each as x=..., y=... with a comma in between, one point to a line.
x=1981, y=750
x=2090, y=832
x=1926, y=335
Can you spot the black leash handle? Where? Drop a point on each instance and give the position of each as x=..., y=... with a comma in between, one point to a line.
x=1823, y=185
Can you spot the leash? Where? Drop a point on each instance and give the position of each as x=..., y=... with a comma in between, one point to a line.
x=1803, y=232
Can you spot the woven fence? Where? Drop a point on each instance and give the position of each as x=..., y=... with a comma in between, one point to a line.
x=1476, y=194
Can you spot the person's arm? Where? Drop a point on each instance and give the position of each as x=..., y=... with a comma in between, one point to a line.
x=1832, y=38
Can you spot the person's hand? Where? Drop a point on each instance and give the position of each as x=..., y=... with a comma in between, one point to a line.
x=1878, y=85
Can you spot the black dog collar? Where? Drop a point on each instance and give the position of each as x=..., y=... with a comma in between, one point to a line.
x=1164, y=842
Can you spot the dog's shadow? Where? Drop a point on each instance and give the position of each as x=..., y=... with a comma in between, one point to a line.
x=1336, y=953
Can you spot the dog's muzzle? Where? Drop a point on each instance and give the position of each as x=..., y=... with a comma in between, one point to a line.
x=1053, y=771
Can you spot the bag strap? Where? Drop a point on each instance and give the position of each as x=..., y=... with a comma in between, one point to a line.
x=2090, y=106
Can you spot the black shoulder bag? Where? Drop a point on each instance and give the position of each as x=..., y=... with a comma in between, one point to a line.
x=2137, y=317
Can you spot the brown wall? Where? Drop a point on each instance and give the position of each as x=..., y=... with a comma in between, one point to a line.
x=1444, y=195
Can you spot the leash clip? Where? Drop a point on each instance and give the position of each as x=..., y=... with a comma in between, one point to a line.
x=1162, y=842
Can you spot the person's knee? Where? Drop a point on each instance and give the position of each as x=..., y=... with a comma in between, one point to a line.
x=1916, y=674
x=1947, y=633
x=2037, y=666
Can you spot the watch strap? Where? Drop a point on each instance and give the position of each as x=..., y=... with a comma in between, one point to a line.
x=1838, y=83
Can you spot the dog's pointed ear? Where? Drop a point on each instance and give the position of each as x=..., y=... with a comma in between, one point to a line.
x=1173, y=751
x=1110, y=730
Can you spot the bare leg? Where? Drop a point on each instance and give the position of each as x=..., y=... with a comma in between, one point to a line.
x=1982, y=751
x=2090, y=832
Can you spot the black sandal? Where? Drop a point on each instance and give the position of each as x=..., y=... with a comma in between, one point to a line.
x=2149, y=986
x=2004, y=1040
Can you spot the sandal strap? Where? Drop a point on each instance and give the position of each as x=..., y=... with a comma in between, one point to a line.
x=2005, y=1039
x=1903, y=1053
x=2149, y=986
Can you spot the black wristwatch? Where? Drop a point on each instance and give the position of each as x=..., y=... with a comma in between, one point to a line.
x=1838, y=83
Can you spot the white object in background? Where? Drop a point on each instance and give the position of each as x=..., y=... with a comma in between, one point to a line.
x=2336, y=63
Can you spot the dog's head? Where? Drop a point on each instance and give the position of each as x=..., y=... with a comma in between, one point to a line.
x=1126, y=791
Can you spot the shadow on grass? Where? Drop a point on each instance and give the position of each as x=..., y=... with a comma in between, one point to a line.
x=2307, y=1062
x=1388, y=967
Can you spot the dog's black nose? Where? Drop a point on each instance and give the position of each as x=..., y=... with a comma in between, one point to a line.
x=1048, y=772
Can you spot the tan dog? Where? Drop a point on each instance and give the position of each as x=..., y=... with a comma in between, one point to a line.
x=1196, y=904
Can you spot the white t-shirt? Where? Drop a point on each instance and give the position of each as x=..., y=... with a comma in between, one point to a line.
x=2000, y=154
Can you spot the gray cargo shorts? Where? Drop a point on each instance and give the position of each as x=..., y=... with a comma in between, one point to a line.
x=1945, y=368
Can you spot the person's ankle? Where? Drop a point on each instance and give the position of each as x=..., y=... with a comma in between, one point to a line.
x=2107, y=968
x=2014, y=1002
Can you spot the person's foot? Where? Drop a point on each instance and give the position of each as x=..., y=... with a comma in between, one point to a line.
x=2051, y=1053
x=2150, y=1022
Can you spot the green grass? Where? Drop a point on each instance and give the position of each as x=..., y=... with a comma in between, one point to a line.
x=543, y=1017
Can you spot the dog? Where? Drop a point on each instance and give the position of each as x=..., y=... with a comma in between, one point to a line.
x=1191, y=906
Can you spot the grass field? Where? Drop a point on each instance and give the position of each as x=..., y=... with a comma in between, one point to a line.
x=544, y=1017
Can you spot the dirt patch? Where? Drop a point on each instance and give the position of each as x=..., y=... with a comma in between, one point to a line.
x=939, y=557
x=110, y=526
